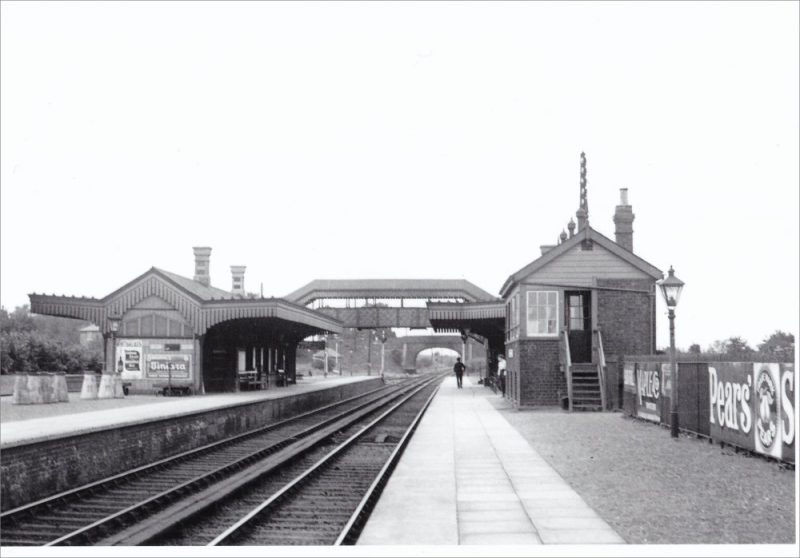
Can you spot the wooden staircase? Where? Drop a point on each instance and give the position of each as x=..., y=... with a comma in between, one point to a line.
x=585, y=380
x=586, y=394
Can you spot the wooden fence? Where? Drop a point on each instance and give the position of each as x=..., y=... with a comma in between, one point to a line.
x=750, y=405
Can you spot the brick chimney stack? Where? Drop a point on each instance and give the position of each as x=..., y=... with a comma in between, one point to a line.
x=623, y=221
x=202, y=269
x=237, y=274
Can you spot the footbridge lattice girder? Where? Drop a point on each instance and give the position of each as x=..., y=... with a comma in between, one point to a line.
x=374, y=318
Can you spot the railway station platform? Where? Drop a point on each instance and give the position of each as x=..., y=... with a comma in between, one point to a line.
x=33, y=430
x=468, y=477
x=50, y=454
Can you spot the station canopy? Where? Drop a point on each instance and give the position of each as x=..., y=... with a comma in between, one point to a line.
x=486, y=319
x=202, y=306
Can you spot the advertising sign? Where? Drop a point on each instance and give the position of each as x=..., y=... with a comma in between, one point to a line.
x=629, y=378
x=767, y=409
x=730, y=399
x=749, y=405
x=176, y=367
x=752, y=406
x=788, y=426
x=648, y=392
x=629, y=388
x=128, y=359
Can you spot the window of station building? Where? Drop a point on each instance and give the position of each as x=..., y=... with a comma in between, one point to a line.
x=542, y=313
x=512, y=318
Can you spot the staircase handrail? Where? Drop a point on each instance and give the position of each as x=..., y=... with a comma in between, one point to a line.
x=601, y=368
x=567, y=365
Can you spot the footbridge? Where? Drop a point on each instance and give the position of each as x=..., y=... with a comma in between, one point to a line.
x=446, y=305
x=382, y=303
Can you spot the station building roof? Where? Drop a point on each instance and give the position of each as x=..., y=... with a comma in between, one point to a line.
x=201, y=305
x=625, y=258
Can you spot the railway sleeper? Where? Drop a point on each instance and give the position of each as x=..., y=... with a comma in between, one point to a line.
x=148, y=470
x=181, y=511
x=92, y=509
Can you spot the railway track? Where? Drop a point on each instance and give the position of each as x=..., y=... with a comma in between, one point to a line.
x=323, y=499
x=92, y=514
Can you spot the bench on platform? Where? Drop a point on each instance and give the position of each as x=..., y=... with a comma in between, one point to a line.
x=252, y=385
x=172, y=389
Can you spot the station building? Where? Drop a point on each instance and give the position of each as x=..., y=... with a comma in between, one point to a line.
x=562, y=317
x=558, y=321
x=584, y=301
x=176, y=331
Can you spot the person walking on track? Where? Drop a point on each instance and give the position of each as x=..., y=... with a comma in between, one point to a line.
x=458, y=368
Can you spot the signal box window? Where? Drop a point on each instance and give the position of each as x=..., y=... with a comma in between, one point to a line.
x=542, y=313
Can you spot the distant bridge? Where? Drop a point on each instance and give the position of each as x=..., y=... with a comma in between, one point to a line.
x=413, y=345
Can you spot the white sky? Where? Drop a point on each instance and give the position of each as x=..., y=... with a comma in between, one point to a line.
x=408, y=140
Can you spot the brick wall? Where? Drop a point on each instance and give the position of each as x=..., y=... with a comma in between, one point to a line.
x=512, y=368
x=32, y=471
x=541, y=378
x=627, y=319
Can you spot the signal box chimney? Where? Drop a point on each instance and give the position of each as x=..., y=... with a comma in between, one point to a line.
x=623, y=221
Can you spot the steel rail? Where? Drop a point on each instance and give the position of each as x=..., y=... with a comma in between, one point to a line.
x=290, y=487
x=355, y=524
x=104, y=526
x=15, y=513
x=167, y=518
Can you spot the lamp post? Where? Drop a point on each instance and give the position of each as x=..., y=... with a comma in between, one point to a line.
x=111, y=380
x=671, y=288
x=383, y=349
x=369, y=352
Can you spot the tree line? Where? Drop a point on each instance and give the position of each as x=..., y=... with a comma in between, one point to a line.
x=778, y=347
x=32, y=343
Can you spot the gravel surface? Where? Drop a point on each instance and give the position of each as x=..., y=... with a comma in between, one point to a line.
x=653, y=489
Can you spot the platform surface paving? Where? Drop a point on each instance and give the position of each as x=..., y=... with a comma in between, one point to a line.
x=45, y=428
x=469, y=478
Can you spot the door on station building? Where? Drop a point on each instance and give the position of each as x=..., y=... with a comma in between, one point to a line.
x=219, y=370
x=578, y=318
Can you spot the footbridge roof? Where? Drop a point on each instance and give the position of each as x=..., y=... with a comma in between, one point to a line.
x=389, y=288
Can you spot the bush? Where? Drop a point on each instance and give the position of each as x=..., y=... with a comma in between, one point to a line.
x=31, y=344
x=31, y=352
